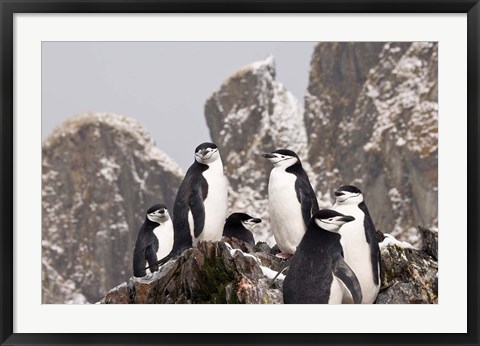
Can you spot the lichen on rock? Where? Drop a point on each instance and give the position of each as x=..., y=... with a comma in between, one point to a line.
x=212, y=273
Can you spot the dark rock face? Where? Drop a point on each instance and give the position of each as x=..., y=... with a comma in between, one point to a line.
x=100, y=173
x=252, y=114
x=371, y=119
x=232, y=272
x=337, y=75
x=429, y=241
x=212, y=273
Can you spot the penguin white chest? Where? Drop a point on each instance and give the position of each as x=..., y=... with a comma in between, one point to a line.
x=285, y=211
x=164, y=234
x=215, y=204
x=357, y=251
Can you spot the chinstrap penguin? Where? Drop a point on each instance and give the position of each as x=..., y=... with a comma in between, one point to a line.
x=318, y=273
x=147, y=244
x=239, y=225
x=164, y=234
x=360, y=247
x=291, y=200
x=200, y=206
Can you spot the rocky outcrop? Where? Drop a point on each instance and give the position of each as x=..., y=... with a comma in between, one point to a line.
x=371, y=119
x=100, y=173
x=214, y=273
x=232, y=272
x=409, y=276
x=252, y=114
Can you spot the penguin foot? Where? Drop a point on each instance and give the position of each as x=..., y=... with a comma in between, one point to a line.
x=282, y=268
x=283, y=255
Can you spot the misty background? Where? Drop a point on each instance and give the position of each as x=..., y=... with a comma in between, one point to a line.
x=164, y=85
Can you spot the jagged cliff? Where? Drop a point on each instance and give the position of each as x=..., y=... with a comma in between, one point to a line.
x=372, y=120
x=232, y=272
x=100, y=173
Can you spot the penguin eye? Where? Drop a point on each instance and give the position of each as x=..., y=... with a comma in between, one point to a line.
x=330, y=219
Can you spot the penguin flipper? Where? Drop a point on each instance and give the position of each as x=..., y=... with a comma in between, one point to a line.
x=370, y=231
x=160, y=262
x=307, y=199
x=151, y=256
x=307, y=206
x=345, y=274
x=139, y=269
x=198, y=212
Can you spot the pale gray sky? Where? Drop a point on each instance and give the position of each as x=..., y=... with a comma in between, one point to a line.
x=164, y=85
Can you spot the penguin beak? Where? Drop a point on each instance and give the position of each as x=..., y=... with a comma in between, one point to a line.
x=254, y=221
x=339, y=193
x=346, y=218
x=268, y=156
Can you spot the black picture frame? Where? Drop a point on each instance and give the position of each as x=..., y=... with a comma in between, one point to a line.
x=9, y=7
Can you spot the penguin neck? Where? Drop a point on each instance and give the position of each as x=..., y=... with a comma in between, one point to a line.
x=216, y=165
x=150, y=223
x=295, y=168
x=197, y=167
x=318, y=234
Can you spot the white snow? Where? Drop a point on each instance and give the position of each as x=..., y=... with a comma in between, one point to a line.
x=110, y=169
x=391, y=241
x=395, y=198
x=400, y=142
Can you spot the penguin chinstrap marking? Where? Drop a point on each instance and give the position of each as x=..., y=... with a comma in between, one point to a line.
x=239, y=225
x=291, y=200
x=200, y=206
x=318, y=273
x=154, y=238
x=360, y=247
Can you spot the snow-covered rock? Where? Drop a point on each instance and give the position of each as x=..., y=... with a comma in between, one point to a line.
x=100, y=173
x=249, y=115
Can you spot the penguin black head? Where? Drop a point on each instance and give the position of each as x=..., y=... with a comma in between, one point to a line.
x=207, y=153
x=158, y=213
x=282, y=158
x=244, y=219
x=331, y=220
x=348, y=194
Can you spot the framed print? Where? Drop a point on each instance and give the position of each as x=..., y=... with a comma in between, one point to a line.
x=166, y=164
